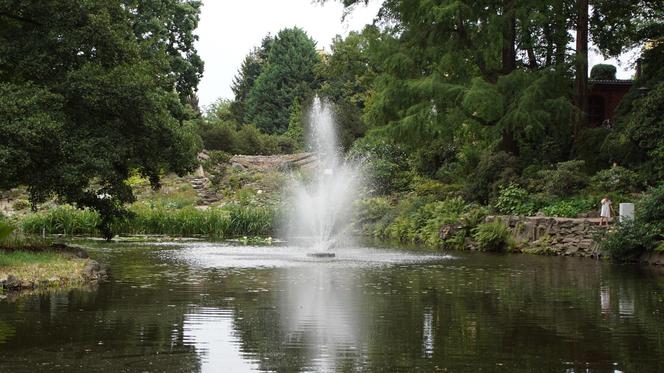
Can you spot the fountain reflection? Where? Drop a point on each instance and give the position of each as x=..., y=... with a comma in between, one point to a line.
x=210, y=331
x=322, y=307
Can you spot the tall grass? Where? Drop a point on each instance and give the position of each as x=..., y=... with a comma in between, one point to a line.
x=229, y=221
x=65, y=220
x=14, y=258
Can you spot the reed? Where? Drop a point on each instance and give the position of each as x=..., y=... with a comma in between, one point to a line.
x=226, y=222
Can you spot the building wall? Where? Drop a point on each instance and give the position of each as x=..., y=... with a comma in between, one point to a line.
x=604, y=98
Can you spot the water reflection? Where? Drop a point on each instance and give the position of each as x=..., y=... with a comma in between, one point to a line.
x=211, y=332
x=322, y=307
x=206, y=308
x=427, y=333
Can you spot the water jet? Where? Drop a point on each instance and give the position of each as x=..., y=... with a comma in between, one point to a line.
x=322, y=204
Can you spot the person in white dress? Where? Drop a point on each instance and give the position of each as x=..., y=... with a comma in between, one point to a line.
x=605, y=211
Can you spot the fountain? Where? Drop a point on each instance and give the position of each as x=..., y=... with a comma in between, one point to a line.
x=322, y=204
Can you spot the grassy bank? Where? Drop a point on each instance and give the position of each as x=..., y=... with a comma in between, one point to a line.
x=41, y=269
x=228, y=221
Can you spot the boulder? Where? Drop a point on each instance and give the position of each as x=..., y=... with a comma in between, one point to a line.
x=11, y=283
x=448, y=231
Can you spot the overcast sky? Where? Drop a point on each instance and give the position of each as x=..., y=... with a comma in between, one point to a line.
x=228, y=30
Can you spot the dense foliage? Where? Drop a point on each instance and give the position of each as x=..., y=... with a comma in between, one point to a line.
x=93, y=90
x=603, y=72
x=450, y=105
x=286, y=77
x=642, y=235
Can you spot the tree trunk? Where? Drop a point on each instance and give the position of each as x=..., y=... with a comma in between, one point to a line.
x=509, y=37
x=581, y=64
x=509, y=65
x=560, y=32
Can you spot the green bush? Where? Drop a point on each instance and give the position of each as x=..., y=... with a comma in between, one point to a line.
x=616, y=179
x=224, y=137
x=21, y=204
x=435, y=189
x=371, y=210
x=597, y=148
x=630, y=240
x=218, y=136
x=413, y=219
x=645, y=233
x=566, y=179
x=603, y=71
x=513, y=199
x=651, y=207
x=5, y=230
x=385, y=164
x=427, y=160
x=493, y=170
x=493, y=236
x=570, y=208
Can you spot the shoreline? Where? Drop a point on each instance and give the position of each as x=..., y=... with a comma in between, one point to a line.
x=55, y=267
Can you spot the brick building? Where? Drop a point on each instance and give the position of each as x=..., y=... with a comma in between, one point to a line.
x=603, y=99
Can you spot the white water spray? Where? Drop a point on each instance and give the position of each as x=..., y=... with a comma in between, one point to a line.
x=322, y=205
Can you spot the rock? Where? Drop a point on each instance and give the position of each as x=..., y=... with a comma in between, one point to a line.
x=203, y=156
x=561, y=236
x=448, y=230
x=11, y=283
x=571, y=250
x=93, y=271
x=237, y=166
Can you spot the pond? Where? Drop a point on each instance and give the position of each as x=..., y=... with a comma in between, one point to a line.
x=191, y=306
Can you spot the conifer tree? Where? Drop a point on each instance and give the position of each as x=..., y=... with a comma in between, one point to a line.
x=287, y=77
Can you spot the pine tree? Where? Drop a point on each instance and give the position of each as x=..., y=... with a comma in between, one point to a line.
x=288, y=76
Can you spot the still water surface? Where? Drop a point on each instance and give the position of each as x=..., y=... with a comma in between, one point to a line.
x=204, y=307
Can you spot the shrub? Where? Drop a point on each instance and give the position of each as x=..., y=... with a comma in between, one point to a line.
x=427, y=160
x=513, y=199
x=21, y=204
x=371, y=210
x=249, y=140
x=385, y=164
x=616, y=179
x=218, y=136
x=5, y=230
x=286, y=145
x=570, y=208
x=493, y=169
x=433, y=188
x=629, y=240
x=473, y=217
x=493, y=236
x=603, y=71
x=645, y=233
x=566, y=179
x=651, y=207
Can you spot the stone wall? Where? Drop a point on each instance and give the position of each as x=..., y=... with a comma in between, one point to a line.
x=553, y=236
